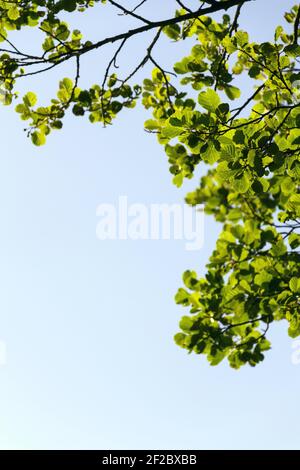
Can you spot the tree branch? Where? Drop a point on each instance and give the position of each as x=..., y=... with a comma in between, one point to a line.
x=296, y=26
x=216, y=6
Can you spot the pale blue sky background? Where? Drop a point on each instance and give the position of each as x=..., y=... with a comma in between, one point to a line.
x=89, y=325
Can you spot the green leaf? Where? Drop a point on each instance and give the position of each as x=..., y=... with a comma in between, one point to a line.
x=66, y=87
x=178, y=180
x=242, y=38
x=294, y=240
x=209, y=153
x=232, y=92
x=241, y=183
x=263, y=278
x=295, y=284
x=30, y=99
x=13, y=13
x=38, y=138
x=152, y=125
x=209, y=100
x=186, y=323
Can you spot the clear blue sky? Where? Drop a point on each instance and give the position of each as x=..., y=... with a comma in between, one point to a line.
x=88, y=324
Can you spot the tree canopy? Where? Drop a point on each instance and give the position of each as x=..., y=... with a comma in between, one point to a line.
x=250, y=150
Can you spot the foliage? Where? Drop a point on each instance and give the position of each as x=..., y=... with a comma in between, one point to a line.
x=251, y=151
